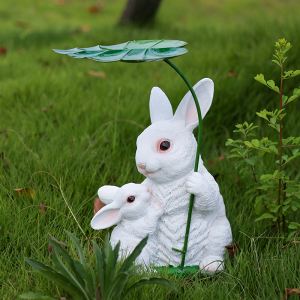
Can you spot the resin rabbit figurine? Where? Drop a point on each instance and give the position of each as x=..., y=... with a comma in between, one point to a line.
x=135, y=213
x=166, y=152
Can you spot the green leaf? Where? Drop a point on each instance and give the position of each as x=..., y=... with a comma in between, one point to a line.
x=250, y=161
x=35, y=296
x=152, y=280
x=286, y=141
x=295, y=151
x=284, y=99
x=56, y=277
x=276, y=62
x=274, y=209
x=95, y=282
x=260, y=78
x=295, y=73
x=281, y=116
x=234, y=155
x=230, y=141
x=294, y=208
x=271, y=83
x=271, y=125
x=287, y=201
x=265, y=216
x=132, y=51
x=259, y=205
x=262, y=115
x=248, y=144
x=291, y=235
x=297, y=195
x=76, y=242
x=292, y=98
x=264, y=187
x=116, y=287
x=285, y=208
x=65, y=255
x=239, y=163
x=296, y=140
x=69, y=276
x=296, y=92
x=100, y=269
x=273, y=121
x=85, y=277
x=287, y=73
x=294, y=225
x=273, y=149
x=255, y=143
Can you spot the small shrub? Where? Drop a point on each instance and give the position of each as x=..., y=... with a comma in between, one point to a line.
x=276, y=195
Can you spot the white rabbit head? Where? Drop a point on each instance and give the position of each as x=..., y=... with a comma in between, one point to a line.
x=129, y=202
x=166, y=150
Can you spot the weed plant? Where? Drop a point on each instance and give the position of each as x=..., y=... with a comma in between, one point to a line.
x=81, y=130
x=276, y=195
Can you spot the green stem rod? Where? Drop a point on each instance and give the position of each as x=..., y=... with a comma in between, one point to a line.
x=188, y=224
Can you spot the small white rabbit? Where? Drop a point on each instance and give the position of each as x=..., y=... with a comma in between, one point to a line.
x=132, y=208
x=166, y=152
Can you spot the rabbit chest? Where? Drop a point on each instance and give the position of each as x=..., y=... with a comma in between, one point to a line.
x=171, y=226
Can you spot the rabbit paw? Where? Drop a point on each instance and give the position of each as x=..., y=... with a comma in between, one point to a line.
x=194, y=183
x=157, y=209
x=211, y=264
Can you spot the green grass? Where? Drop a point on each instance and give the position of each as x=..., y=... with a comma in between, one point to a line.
x=56, y=118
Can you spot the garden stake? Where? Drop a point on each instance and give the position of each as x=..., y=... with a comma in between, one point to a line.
x=188, y=224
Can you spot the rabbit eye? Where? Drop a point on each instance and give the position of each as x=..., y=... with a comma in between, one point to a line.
x=165, y=145
x=130, y=199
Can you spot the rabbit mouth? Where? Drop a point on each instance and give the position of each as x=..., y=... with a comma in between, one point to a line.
x=148, y=174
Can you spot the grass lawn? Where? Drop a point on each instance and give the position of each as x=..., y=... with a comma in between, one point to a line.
x=69, y=126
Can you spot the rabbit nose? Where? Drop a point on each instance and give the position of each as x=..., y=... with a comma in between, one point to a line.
x=142, y=166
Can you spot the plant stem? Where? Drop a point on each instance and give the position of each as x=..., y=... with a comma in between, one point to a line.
x=283, y=216
x=196, y=160
x=280, y=148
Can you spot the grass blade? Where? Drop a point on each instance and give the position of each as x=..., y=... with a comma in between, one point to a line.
x=35, y=296
x=152, y=280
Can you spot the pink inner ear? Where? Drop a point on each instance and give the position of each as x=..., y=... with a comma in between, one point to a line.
x=106, y=219
x=191, y=116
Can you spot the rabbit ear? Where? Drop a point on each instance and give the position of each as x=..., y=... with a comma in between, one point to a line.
x=107, y=192
x=187, y=111
x=106, y=217
x=160, y=106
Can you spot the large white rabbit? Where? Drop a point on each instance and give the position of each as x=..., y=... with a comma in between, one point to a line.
x=132, y=208
x=166, y=152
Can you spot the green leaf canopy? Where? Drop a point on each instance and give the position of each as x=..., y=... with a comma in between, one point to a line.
x=132, y=51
